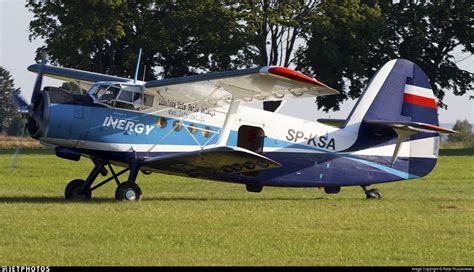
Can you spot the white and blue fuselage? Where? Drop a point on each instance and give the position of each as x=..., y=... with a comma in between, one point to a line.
x=110, y=124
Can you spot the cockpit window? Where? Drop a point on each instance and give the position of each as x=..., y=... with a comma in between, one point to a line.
x=129, y=100
x=126, y=96
x=108, y=95
x=122, y=96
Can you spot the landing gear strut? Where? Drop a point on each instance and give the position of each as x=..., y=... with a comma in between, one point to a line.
x=82, y=189
x=372, y=193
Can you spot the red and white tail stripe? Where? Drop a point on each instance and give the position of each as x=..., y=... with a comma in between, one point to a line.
x=419, y=96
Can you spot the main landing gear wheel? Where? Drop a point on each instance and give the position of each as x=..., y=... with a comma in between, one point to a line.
x=373, y=194
x=128, y=191
x=74, y=190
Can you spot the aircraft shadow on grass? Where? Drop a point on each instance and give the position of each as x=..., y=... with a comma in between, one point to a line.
x=60, y=200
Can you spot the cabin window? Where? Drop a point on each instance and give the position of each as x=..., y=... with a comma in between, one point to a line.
x=148, y=100
x=192, y=128
x=206, y=132
x=162, y=123
x=177, y=125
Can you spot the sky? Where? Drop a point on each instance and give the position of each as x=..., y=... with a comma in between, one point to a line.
x=17, y=53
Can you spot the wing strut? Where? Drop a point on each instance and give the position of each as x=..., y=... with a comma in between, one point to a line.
x=229, y=120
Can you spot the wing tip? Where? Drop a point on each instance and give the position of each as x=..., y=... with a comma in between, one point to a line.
x=33, y=67
x=295, y=75
x=440, y=129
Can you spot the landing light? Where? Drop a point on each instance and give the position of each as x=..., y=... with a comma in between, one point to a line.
x=296, y=92
x=278, y=95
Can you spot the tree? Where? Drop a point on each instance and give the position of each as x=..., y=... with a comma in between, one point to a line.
x=346, y=40
x=91, y=35
x=427, y=32
x=341, y=47
x=272, y=29
x=180, y=37
x=10, y=120
x=349, y=40
x=465, y=132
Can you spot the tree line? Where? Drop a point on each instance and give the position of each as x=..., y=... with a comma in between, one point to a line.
x=340, y=42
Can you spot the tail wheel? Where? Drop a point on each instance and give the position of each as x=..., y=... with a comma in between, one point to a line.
x=74, y=190
x=128, y=191
x=146, y=172
x=373, y=194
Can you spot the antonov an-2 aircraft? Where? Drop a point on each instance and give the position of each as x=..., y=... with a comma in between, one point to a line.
x=200, y=126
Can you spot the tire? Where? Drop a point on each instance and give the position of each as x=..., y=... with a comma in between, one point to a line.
x=73, y=190
x=146, y=172
x=332, y=190
x=373, y=194
x=128, y=191
x=253, y=188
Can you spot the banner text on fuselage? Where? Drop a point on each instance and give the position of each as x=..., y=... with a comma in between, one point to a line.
x=127, y=125
x=323, y=141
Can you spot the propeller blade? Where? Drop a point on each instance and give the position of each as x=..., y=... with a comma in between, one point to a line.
x=19, y=101
x=17, y=149
x=39, y=80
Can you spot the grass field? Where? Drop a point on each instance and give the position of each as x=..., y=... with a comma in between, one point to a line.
x=180, y=221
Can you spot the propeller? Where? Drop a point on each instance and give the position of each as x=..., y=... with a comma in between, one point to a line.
x=19, y=101
x=17, y=149
x=32, y=113
x=39, y=80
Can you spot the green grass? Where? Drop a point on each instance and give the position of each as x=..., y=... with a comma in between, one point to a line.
x=181, y=221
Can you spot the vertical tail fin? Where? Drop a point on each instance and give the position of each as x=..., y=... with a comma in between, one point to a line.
x=399, y=99
x=399, y=91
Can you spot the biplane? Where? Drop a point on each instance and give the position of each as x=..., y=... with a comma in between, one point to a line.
x=200, y=126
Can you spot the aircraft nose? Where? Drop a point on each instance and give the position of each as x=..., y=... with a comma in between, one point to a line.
x=39, y=117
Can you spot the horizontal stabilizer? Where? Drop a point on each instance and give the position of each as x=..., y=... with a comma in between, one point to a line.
x=214, y=160
x=411, y=126
x=405, y=129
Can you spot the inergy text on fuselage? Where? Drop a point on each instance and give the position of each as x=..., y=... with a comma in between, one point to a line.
x=127, y=125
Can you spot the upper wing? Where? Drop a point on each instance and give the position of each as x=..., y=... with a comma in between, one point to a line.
x=214, y=160
x=261, y=83
x=82, y=78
